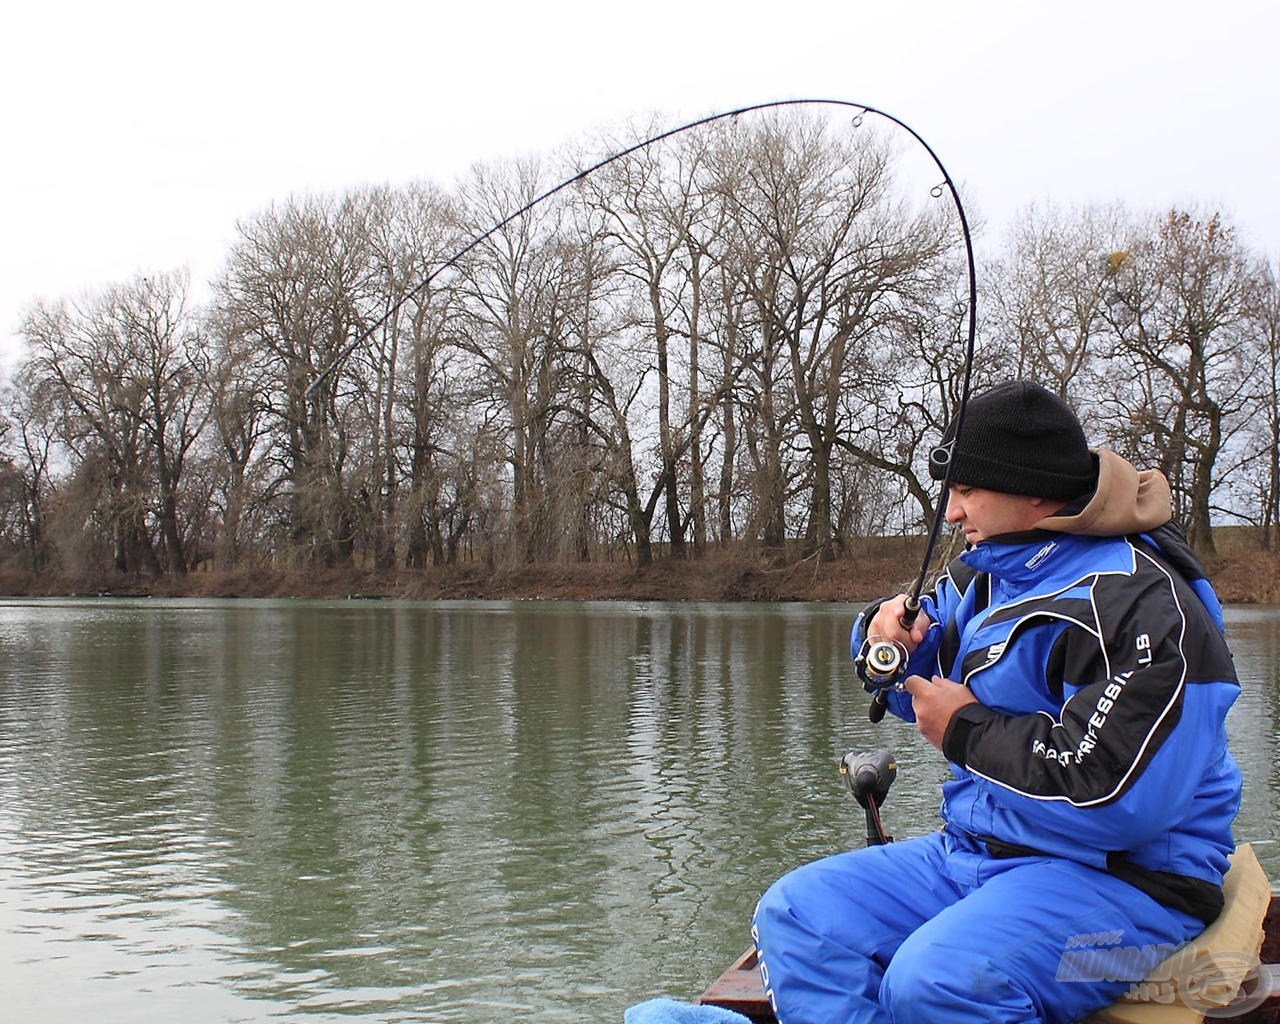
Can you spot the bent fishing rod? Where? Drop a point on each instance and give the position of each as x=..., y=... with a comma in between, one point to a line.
x=881, y=664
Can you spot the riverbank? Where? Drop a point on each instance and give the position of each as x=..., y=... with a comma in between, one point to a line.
x=1247, y=577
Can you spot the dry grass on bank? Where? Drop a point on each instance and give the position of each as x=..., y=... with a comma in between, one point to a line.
x=1241, y=575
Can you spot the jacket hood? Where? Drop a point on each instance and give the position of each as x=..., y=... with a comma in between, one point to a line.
x=1126, y=500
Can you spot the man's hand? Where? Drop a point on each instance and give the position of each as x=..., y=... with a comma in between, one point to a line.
x=934, y=702
x=886, y=623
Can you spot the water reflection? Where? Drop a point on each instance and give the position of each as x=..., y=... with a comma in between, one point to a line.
x=1254, y=725
x=444, y=812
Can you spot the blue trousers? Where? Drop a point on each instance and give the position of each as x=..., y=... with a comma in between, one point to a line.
x=936, y=931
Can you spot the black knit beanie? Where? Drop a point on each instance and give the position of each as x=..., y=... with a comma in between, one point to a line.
x=1018, y=438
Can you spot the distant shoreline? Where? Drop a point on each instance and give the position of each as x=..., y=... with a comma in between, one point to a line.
x=1251, y=577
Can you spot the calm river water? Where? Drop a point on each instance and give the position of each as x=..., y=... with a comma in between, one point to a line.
x=216, y=811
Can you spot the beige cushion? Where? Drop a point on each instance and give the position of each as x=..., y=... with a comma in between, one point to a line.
x=1216, y=962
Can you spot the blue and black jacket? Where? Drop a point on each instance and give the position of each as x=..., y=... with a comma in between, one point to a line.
x=1103, y=683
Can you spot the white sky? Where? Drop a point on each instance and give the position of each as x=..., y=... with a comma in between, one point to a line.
x=136, y=133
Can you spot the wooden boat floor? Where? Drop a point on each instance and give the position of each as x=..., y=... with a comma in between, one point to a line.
x=739, y=987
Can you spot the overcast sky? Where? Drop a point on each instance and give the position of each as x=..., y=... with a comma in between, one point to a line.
x=136, y=133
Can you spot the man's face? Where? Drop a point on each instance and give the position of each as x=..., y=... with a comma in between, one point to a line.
x=984, y=514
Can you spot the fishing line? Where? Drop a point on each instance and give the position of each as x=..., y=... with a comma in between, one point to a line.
x=941, y=455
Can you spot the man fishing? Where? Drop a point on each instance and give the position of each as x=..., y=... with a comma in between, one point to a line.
x=1070, y=665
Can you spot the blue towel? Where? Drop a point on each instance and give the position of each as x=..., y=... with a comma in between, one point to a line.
x=668, y=1011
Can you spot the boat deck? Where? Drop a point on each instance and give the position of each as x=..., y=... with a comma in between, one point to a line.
x=739, y=988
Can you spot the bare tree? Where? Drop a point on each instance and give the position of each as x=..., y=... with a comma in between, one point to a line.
x=1262, y=457
x=830, y=259
x=428, y=432
x=170, y=360
x=750, y=333
x=28, y=443
x=1047, y=291
x=238, y=450
x=126, y=370
x=655, y=211
x=514, y=336
x=1176, y=306
x=297, y=287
